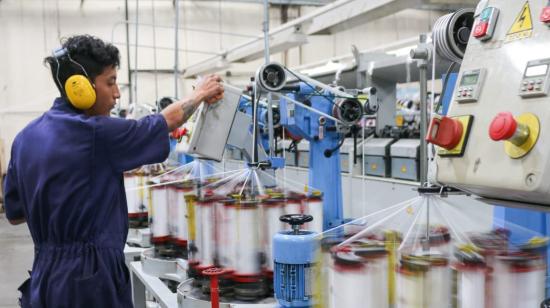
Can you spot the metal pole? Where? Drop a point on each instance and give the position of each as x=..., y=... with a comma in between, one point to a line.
x=136, y=50
x=155, y=54
x=176, y=43
x=254, y=96
x=269, y=97
x=126, y=15
x=422, y=54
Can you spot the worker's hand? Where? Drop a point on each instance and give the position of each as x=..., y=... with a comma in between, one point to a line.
x=209, y=89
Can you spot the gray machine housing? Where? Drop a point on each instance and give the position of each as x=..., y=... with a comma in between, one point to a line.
x=405, y=159
x=377, y=160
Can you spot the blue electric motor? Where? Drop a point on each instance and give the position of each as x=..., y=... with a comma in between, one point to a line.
x=294, y=254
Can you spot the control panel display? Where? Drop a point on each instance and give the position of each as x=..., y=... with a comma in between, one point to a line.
x=470, y=86
x=535, y=71
x=536, y=79
x=469, y=80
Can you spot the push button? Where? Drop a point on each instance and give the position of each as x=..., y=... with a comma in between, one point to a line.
x=481, y=29
x=445, y=132
x=505, y=127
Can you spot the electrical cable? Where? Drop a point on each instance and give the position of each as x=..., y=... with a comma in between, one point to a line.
x=328, y=152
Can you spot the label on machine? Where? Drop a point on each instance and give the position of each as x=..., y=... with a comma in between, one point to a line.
x=523, y=25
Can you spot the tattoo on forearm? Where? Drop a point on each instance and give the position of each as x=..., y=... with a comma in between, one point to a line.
x=188, y=108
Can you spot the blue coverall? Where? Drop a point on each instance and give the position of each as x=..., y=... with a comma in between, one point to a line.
x=65, y=177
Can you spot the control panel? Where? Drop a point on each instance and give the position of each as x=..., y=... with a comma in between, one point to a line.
x=470, y=85
x=498, y=145
x=536, y=79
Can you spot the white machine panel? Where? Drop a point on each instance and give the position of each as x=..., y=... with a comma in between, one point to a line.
x=209, y=127
x=516, y=57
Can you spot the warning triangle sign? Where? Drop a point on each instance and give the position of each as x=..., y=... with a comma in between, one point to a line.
x=523, y=22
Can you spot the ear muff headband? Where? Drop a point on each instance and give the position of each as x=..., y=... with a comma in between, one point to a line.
x=79, y=90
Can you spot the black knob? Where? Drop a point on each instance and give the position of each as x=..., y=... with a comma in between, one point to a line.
x=545, y=303
x=296, y=219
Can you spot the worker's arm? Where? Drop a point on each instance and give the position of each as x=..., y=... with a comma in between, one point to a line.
x=208, y=90
x=13, y=203
x=130, y=143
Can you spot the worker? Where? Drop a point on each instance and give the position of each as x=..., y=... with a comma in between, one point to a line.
x=65, y=177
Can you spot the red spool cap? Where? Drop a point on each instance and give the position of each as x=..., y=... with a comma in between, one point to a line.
x=445, y=132
x=503, y=126
x=545, y=15
x=214, y=271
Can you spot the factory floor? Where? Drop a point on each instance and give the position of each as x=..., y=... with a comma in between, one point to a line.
x=16, y=255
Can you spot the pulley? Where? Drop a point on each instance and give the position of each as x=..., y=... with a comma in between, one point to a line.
x=271, y=77
x=451, y=33
x=348, y=110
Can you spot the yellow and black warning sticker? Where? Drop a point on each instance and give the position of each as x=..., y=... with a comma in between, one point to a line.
x=523, y=25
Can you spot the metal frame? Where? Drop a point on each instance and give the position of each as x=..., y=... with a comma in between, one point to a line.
x=141, y=282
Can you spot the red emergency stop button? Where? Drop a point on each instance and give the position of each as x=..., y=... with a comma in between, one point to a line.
x=545, y=15
x=505, y=127
x=445, y=132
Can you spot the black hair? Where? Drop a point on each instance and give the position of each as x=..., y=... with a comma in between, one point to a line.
x=92, y=53
x=165, y=102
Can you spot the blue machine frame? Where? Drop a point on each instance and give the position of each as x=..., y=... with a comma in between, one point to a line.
x=324, y=172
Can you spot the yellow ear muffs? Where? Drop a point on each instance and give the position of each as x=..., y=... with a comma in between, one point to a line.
x=80, y=92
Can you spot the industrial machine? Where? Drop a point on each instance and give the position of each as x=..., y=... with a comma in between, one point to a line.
x=322, y=115
x=512, y=130
x=492, y=141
